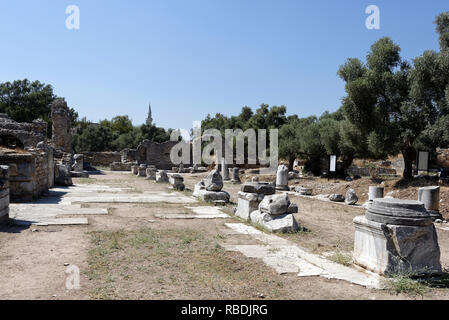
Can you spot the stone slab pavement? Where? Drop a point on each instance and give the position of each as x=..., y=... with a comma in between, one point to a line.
x=286, y=257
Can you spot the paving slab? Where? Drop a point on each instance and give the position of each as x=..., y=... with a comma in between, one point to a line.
x=285, y=256
x=198, y=213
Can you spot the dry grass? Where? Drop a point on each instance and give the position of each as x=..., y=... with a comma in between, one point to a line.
x=164, y=264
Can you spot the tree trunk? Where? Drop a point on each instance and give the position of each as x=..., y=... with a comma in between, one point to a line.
x=291, y=162
x=409, y=154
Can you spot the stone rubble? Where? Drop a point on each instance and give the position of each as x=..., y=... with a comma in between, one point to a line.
x=177, y=182
x=250, y=196
x=161, y=176
x=276, y=214
x=351, y=197
x=210, y=188
x=337, y=197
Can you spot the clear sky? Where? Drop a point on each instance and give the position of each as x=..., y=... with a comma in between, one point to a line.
x=194, y=57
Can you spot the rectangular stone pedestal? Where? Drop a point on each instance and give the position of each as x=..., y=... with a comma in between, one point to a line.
x=247, y=203
x=390, y=249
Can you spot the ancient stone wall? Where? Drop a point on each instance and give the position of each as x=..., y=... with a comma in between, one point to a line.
x=4, y=193
x=365, y=172
x=102, y=158
x=151, y=153
x=26, y=134
x=31, y=173
x=61, y=135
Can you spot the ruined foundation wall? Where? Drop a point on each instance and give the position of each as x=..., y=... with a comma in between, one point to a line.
x=30, y=174
x=102, y=158
x=151, y=153
x=61, y=123
x=4, y=193
x=22, y=182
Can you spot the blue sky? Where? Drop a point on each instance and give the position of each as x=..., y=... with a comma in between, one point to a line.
x=194, y=57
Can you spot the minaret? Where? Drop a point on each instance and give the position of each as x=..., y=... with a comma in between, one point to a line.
x=149, y=118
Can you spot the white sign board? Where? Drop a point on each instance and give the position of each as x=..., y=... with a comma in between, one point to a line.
x=423, y=161
x=333, y=164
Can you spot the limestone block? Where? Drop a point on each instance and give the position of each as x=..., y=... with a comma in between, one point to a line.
x=236, y=176
x=375, y=192
x=212, y=196
x=134, y=169
x=142, y=171
x=282, y=178
x=247, y=203
x=213, y=181
x=161, y=177
x=62, y=175
x=430, y=196
x=277, y=204
x=304, y=191
x=78, y=164
x=351, y=197
x=177, y=181
x=224, y=170
x=285, y=223
x=388, y=249
x=337, y=198
x=258, y=187
x=151, y=173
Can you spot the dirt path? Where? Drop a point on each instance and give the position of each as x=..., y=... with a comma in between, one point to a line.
x=130, y=254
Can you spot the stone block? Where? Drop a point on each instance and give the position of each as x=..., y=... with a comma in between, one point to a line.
x=247, y=203
x=282, y=178
x=375, y=192
x=285, y=223
x=389, y=249
x=213, y=181
x=212, y=196
x=430, y=196
x=264, y=188
x=337, y=198
x=304, y=191
x=351, y=197
x=63, y=176
x=277, y=204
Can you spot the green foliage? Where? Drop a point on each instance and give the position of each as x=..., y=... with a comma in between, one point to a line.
x=114, y=135
x=25, y=101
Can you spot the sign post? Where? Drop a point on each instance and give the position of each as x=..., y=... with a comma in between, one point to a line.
x=332, y=165
x=422, y=161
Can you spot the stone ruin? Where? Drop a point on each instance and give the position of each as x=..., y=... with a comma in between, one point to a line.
x=162, y=177
x=430, y=197
x=396, y=236
x=61, y=124
x=282, y=178
x=177, y=182
x=21, y=135
x=275, y=214
x=210, y=189
x=4, y=193
x=250, y=196
x=36, y=163
x=30, y=160
x=147, y=152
